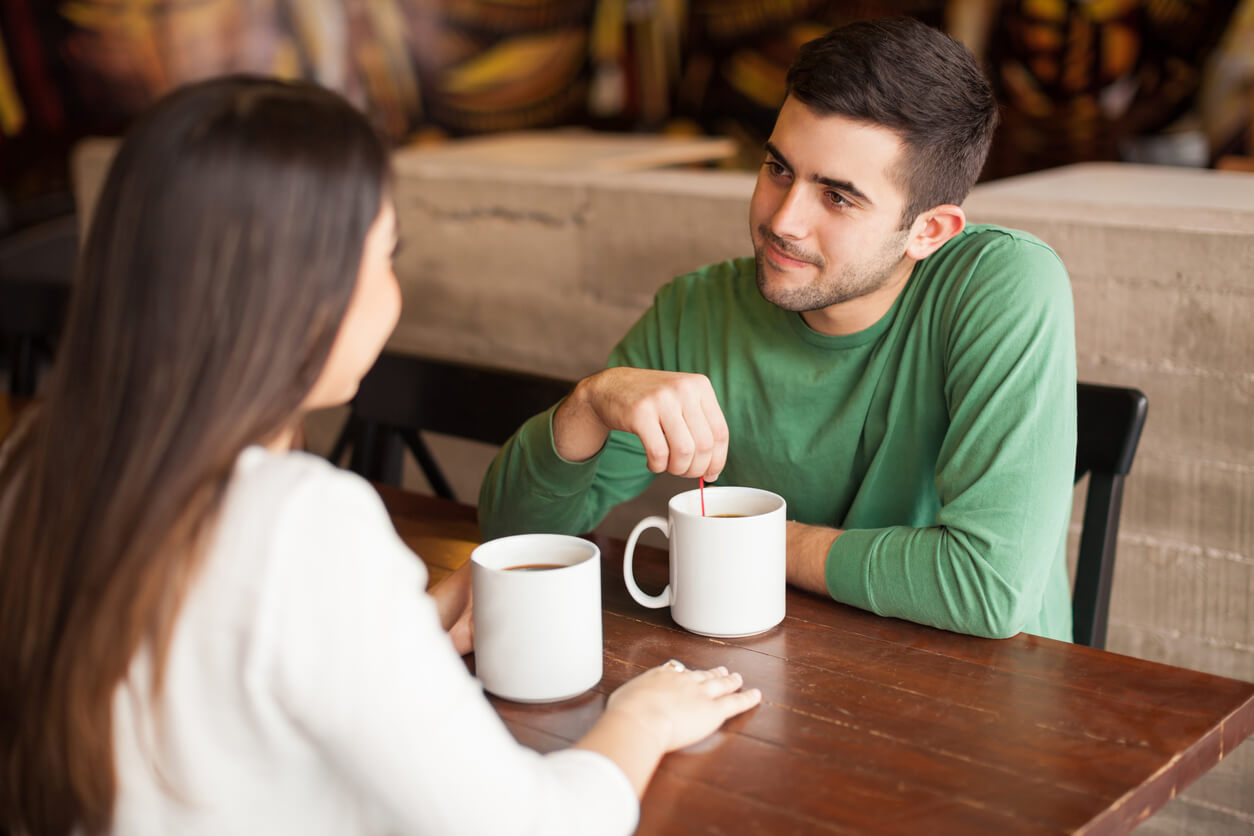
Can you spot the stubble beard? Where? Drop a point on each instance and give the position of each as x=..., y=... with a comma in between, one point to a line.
x=852, y=281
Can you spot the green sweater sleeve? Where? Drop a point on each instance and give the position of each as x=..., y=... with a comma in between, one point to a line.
x=1005, y=466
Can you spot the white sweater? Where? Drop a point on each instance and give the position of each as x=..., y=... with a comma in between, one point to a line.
x=311, y=690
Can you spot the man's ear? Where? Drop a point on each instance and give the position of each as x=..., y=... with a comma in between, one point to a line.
x=933, y=228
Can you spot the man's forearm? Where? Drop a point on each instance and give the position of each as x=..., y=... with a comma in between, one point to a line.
x=808, y=546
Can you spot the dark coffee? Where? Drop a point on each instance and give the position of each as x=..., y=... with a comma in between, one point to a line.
x=534, y=567
x=729, y=515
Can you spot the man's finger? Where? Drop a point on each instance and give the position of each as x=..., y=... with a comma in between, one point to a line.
x=718, y=436
x=679, y=441
x=656, y=449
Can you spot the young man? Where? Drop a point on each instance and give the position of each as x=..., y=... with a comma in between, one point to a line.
x=904, y=380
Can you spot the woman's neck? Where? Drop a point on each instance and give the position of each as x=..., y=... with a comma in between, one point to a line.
x=291, y=437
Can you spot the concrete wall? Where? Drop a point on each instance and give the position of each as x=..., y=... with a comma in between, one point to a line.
x=542, y=271
x=546, y=270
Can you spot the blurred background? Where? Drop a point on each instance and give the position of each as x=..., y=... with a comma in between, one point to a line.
x=1140, y=80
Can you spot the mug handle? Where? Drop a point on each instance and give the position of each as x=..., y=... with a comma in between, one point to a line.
x=653, y=602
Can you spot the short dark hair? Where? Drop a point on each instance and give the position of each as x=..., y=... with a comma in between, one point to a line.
x=904, y=75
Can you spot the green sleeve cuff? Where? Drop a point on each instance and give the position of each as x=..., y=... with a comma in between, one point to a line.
x=553, y=474
x=848, y=567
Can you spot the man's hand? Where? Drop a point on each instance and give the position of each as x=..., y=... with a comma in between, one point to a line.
x=808, y=546
x=675, y=415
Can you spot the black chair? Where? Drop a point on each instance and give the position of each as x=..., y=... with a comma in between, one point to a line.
x=403, y=395
x=1109, y=421
x=36, y=269
x=31, y=315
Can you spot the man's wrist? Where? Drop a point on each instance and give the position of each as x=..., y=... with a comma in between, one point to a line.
x=578, y=433
x=808, y=550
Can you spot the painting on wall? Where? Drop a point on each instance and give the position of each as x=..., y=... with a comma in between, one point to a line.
x=1074, y=78
x=1086, y=80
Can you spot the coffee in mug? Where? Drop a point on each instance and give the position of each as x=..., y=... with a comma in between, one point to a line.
x=727, y=567
x=537, y=616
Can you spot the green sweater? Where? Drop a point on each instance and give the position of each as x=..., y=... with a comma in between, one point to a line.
x=942, y=438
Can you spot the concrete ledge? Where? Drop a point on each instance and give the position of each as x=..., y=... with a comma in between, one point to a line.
x=545, y=270
x=1118, y=193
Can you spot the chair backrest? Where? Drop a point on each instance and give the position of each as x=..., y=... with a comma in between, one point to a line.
x=404, y=394
x=467, y=400
x=31, y=316
x=1109, y=424
x=36, y=270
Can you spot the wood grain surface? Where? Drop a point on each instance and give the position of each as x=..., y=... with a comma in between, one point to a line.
x=875, y=725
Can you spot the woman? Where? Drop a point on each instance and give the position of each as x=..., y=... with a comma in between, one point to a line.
x=202, y=631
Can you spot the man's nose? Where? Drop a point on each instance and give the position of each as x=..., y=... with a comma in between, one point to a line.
x=791, y=218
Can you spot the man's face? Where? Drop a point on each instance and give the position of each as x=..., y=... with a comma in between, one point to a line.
x=825, y=220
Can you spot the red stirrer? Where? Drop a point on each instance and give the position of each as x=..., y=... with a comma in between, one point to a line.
x=701, y=486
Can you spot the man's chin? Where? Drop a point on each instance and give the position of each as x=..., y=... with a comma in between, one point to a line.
x=774, y=290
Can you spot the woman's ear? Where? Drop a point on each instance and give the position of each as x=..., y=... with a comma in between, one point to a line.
x=933, y=228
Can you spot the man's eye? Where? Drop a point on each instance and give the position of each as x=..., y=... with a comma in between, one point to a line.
x=837, y=199
x=776, y=169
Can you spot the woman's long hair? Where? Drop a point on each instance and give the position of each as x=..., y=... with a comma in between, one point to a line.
x=224, y=250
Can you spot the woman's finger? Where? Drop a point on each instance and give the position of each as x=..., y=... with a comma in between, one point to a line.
x=717, y=686
x=739, y=702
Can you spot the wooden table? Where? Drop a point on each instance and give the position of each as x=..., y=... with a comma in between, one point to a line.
x=874, y=725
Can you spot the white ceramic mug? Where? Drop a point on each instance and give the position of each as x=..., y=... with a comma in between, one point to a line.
x=537, y=631
x=727, y=574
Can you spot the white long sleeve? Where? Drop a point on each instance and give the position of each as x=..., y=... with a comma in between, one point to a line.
x=310, y=689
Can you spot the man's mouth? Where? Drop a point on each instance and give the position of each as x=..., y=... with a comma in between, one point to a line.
x=780, y=258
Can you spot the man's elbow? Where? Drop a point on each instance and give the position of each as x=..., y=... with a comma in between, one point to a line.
x=1001, y=629
x=1003, y=619
x=990, y=603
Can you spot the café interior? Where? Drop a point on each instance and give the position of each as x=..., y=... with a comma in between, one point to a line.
x=556, y=161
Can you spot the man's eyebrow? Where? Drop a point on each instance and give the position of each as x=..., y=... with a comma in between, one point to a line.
x=840, y=185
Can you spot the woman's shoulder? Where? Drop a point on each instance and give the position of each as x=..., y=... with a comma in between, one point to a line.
x=295, y=537
x=278, y=503
x=257, y=465
x=298, y=483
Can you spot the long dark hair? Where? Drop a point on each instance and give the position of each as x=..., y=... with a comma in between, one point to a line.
x=220, y=262
x=904, y=75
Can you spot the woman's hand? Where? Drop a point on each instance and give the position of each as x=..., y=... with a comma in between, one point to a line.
x=679, y=706
x=664, y=709
x=455, y=603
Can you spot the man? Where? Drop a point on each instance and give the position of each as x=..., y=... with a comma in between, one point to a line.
x=904, y=380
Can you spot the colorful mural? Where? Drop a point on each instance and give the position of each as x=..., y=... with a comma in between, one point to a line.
x=1080, y=80
x=1075, y=77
